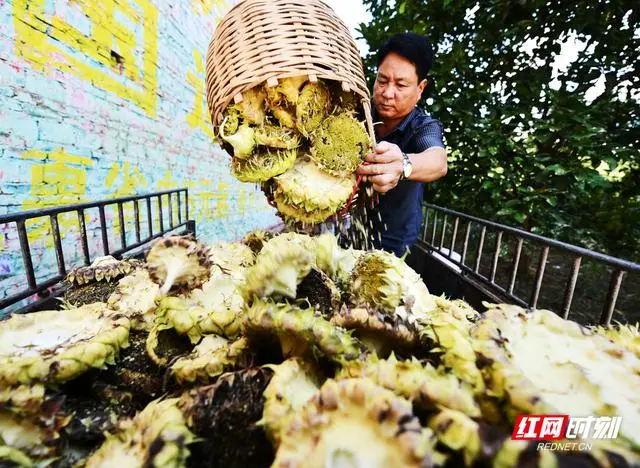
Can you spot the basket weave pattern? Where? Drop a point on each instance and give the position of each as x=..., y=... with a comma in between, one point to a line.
x=263, y=40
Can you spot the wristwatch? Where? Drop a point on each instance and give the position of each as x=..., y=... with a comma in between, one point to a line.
x=407, y=167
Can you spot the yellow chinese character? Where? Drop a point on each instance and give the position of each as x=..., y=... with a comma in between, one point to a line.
x=206, y=6
x=204, y=206
x=101, y=57
x=60, y=179
x=222, y=201
x=133, y=181
x=167, y=182
x=201, y=198
x=243, y=199
x=199, y=118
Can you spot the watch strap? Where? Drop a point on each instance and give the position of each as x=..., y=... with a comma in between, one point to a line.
x=405, y=162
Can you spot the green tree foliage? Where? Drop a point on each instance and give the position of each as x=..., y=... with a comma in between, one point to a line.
x=524, y=144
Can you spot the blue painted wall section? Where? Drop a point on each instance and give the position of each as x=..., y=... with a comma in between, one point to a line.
x=100, y=99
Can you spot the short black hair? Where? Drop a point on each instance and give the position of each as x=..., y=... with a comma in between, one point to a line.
x=414, y=47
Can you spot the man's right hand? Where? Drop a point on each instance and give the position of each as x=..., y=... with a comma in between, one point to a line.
x=384, y=168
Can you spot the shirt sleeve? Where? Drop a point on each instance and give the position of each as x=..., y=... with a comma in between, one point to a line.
x=429, y=135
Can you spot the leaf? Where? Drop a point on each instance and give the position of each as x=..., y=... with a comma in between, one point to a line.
x=520, y=217
x=557, y=169
x=505, y=212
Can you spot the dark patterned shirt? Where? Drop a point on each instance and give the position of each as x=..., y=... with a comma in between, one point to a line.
x=397, y=217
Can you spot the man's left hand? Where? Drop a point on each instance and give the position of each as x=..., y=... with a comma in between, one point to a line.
x=384, y=168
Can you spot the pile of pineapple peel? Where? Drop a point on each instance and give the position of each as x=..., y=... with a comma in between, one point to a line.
x=324, y=356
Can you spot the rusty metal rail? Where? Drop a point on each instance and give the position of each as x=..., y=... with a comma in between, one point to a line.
x=178, y=198
x=443, y=220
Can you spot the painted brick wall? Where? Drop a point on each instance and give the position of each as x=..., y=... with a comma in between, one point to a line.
x=100, y=99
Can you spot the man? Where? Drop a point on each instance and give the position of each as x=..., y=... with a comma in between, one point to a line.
x=410, y=151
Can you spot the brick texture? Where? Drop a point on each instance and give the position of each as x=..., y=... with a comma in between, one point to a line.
x=106, y=99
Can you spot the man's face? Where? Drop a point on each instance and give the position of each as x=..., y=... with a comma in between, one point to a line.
x=396, y=90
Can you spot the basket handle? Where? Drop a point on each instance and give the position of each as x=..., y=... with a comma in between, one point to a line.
x=347, y=206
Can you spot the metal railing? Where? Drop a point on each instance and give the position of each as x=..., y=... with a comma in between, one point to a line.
x=439, y=219
x=41, y=289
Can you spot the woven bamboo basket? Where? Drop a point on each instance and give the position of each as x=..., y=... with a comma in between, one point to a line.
x=265, y=40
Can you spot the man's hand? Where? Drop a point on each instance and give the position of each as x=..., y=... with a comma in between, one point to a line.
x=384, y=168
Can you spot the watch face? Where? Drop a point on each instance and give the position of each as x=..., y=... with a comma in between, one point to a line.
x=407, y=170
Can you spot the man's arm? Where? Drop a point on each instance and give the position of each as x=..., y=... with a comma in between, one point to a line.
x=385, y=166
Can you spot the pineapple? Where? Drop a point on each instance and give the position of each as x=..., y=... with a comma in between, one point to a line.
x=243, y=141
x=263, y=164
x=279, y=268
x=218, y=309
x=101, y=269
x=178, y=262
x=163, y=344
x=540, y=363
x=306, y=194
x=210, y=358
x=312, y=106
x=355, y=423
x=230, y=258
x=627, y=336
x=447, y=329
x=340, y=144
x=382, y=281
x=94, y=283
x=135, y=297
x=421, y=384
x=293, y=384
x=58, y=345
x=286, y=92
x=275, y=136
x=26, y=435
x=25, y=399
x=380, y=332
x=256, y=239
x=156, y=437
x=334, y=261
x=299, y=331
